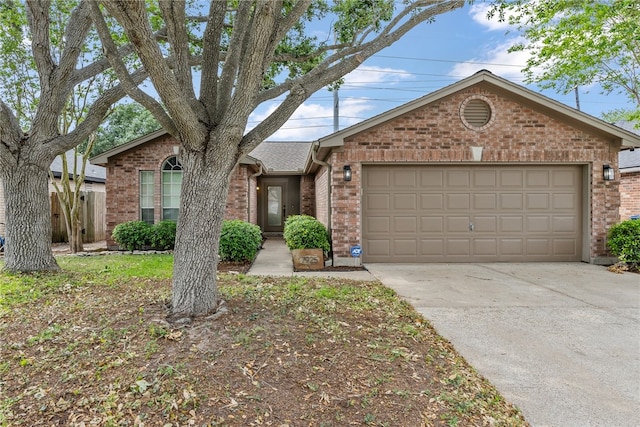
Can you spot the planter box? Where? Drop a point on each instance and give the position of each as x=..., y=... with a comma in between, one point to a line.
x=307, y=259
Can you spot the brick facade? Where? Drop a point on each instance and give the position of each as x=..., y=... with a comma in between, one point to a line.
x=435, y=133
x=307, y=195
x=629, y=194
x=322, y=196
x=123, y=185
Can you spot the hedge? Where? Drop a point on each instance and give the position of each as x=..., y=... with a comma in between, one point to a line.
x=624, y=241
x=305, y=232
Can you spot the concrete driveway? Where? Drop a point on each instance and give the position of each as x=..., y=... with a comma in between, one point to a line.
x=561, y=341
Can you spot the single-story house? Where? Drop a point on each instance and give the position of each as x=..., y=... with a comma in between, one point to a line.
x=483, y=170
x=629, y=164
x=94, y=184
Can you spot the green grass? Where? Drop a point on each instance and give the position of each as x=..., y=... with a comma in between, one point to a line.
x=76, y=272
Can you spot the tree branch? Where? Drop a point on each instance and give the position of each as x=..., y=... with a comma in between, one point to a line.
x=127, y=82
x=211, y=56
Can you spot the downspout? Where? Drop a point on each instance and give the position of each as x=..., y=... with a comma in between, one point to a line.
x=255, y=175
x=314, y=150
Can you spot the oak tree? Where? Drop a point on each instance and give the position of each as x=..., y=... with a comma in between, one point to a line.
x=228, y=60
x=580, y=43
x=47, y=52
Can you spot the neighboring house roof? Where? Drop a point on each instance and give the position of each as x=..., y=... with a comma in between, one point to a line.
x=93, y=173
x=283, y=157
x=524, y=95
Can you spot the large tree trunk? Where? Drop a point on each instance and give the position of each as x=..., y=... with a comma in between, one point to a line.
x=28, y=219
x=205, y=185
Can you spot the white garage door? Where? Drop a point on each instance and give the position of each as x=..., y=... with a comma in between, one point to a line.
x=417, y=213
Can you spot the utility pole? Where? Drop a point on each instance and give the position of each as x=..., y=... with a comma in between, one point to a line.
x=577, y=98
x=336, y=110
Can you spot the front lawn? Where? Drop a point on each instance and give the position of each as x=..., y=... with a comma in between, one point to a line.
x=90, y=346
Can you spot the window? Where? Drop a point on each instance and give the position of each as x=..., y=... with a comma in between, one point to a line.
x=171, y=183
x=146, y=196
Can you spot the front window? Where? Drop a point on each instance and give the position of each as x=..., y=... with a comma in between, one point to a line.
x=146, y=196
x=171, y=183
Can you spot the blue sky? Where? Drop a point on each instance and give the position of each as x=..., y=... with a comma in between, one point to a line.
x=430, y=57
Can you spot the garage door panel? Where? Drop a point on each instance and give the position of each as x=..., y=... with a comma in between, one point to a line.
x=485, y=224
x=405, y=201
x=511, y=224
x=433, y=201
x=458, y=224
x=405, y=224
x=378, y=224
x=432, y=248
x=458, y=201
x=378, y=202
x=538, y=178
x=458, y=247
x=511, y=201
x=405, y=247
x=432, y=224
x=485, y=247
x=468, y=213
x=562, y=201
x=432, y=178
x=510, y=178
x=405, y=178
x=485, y=201
x=565, y=247
x=538, y=201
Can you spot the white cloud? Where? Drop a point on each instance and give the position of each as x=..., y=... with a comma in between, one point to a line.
x=479, y=12
x=496, y=59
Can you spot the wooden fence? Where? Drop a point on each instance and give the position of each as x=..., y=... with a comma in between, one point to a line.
x=92, y=213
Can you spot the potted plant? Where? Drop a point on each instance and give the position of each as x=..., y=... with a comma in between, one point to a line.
x=308, y=240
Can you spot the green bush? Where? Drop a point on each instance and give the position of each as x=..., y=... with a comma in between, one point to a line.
x=163, y=235
x=132, y=235
x=239, y=241
x=305, y=232
x=624, y=241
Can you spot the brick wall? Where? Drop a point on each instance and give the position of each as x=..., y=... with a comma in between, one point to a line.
x=435, y=133
x=308, y=195
x=629, y=194
x=322, y=194
x=123, y=185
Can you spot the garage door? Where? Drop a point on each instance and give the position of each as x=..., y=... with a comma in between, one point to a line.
x=471, y=213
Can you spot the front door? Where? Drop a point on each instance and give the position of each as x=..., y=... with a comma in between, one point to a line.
x=278, y=199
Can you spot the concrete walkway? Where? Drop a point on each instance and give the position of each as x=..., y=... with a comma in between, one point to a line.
x=274, y=259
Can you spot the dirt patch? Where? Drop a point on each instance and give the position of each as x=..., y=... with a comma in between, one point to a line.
x=284, y=352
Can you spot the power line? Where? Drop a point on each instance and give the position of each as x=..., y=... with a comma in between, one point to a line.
x=448, y=61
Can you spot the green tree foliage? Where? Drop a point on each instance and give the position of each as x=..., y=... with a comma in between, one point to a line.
x=579, y=43
x=125, y=123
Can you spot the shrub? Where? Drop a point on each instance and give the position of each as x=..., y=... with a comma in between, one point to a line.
x=132, y=235
x=624, y=241
x=163, y=235
x=305, y=232
x=239, y=241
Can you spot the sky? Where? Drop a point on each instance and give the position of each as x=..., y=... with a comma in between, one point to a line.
x=431, y=56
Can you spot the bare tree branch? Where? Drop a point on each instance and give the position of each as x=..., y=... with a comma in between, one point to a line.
x=175, y=19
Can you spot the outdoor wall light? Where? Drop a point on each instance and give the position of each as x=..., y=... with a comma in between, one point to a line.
x=346, y=170
x=608, y=173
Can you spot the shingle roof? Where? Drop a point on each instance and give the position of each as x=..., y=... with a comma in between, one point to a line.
x=285, y=157
x=93, y=173
x=628, y=159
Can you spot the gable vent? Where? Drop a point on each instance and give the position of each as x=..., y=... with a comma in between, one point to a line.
x=477, y=113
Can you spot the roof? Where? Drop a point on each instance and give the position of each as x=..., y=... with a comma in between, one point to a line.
x=628, y=160
x=93, y=173
x=283, y=157
x=276, y=157
x=550, y=106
